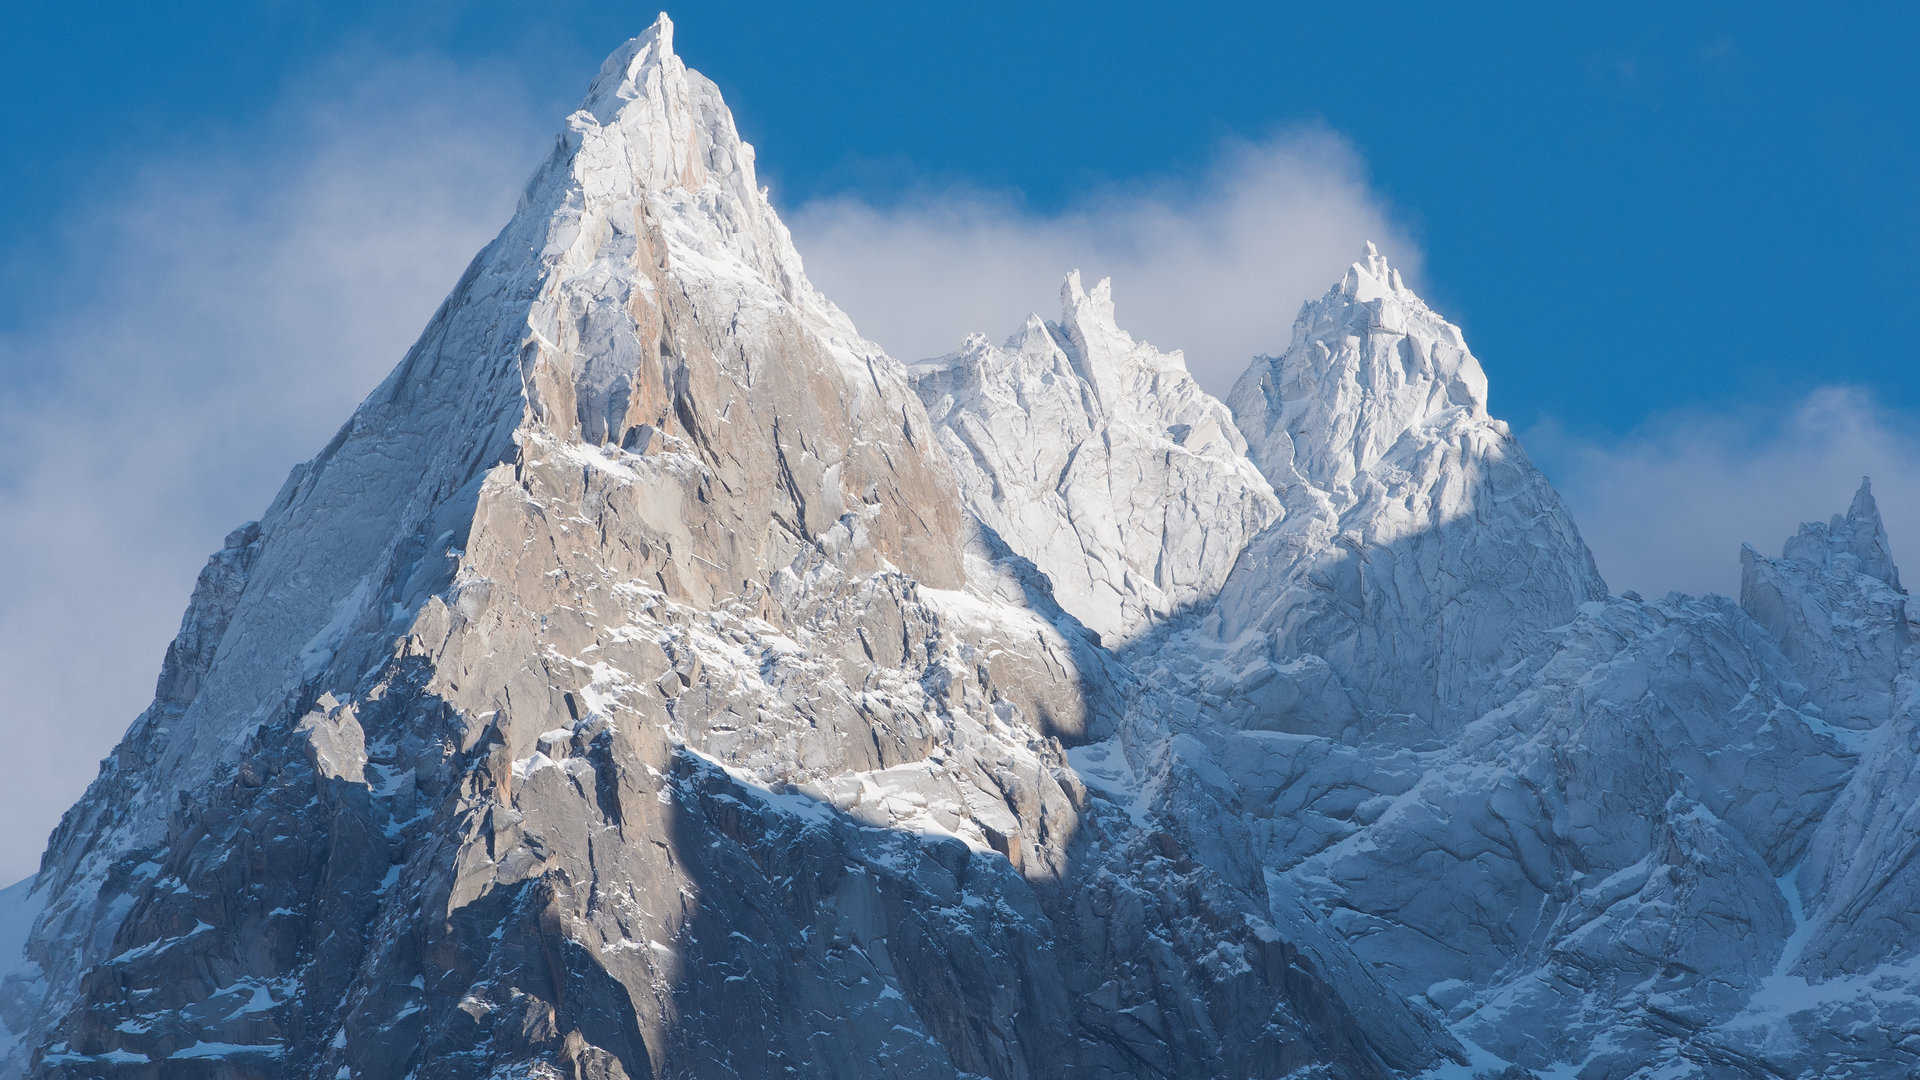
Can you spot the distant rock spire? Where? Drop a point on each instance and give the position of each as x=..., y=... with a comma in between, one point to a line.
x=1869, y=536
x=1854, y=541
x=1834, y=603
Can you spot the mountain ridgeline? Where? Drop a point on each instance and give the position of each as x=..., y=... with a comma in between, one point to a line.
x=654, y=678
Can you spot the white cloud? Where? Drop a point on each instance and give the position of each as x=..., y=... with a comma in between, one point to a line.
x=1667, y=507
x=1216, y=263
x=219, y=314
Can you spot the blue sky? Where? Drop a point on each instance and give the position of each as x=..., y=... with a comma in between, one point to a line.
x=1690, y=205
x=1680, y=242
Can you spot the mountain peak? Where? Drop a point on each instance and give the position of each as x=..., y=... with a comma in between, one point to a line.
x=1373, y=277
x=1864, y=509
x=628, y=307
x=1834, y=603
x=1373, y=427
x=1101, y=352
x=1109, y=364
x=649, y=123
x=628, y=67
x=1099, y=460
x=1855, y=540
x=1074, y=299
x=1369, y=362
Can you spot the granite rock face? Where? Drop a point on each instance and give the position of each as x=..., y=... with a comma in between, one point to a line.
x=1420, y=552
x=655, y=678
x=1100, y=460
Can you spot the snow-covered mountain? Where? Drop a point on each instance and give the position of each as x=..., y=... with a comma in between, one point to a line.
x=655, y=678
x=1100, y=459
x=1421, y=554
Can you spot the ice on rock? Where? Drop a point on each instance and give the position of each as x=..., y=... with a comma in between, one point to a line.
x=1369, y=366
x=1587, y=863
x=1100, y=460
x=21, y=978
x=1863, y=866
x=1385, y=597
x=1858, y=535
x=1833, y=601
x=626, y=691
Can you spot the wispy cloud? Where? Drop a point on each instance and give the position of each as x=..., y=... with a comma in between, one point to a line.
x=1215, y=262
x=1668, y=506
x=219, y=314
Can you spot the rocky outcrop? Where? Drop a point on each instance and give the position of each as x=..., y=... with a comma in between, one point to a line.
x=1420, y=553
x=1099, y=460
x=1833, y=601
x=1635, y=864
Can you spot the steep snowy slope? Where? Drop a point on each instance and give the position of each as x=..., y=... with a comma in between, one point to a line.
x=21, y=981
x=1100, y=460
x=1599, y=836
x=1420, y=554
x=1629, y=863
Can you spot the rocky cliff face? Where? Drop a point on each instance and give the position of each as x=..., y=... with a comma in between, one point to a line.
x=654, y=678
x=1098, y=459
x=1420, y=553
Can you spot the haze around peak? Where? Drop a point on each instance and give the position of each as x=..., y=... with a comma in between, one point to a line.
x=1667, y=506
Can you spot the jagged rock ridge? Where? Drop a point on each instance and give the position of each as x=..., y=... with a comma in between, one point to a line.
x=654, y=678
x=1100, y=459
x=1420, y=553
